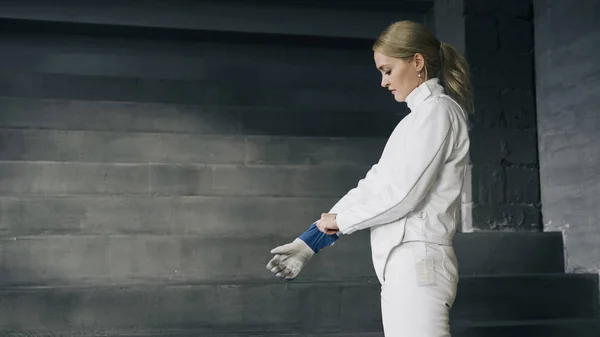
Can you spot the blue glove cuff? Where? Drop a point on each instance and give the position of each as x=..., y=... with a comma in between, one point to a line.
x=316, y=239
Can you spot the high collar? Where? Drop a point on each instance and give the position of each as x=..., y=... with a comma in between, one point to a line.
x=426, y=89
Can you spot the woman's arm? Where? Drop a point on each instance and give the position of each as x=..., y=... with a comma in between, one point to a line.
x=427, y=143
x=355, y=195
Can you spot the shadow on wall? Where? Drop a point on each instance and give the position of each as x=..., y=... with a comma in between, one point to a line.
x=47, y=310
x=217, y=82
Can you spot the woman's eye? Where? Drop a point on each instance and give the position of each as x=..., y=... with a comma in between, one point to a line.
x=388, y=72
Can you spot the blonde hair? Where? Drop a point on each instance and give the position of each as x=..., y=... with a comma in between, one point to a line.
x=404, y=39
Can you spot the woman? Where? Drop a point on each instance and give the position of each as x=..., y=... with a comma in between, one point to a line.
x=410, y=200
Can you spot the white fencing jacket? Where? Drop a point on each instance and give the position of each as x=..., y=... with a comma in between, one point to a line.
x=413, y=192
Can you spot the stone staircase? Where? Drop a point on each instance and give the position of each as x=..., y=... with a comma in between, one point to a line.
x=107, y=231
x=141, y=192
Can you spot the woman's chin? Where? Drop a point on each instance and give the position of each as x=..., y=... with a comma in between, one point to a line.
x=399, y=98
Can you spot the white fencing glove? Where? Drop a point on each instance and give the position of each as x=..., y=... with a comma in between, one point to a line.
x=290, y=259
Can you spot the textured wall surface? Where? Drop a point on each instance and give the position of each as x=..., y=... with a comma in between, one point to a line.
x=568, y=82
x=499, y=47
x=145, y=173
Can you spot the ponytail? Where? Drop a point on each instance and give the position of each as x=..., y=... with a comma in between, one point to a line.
x=454, y=77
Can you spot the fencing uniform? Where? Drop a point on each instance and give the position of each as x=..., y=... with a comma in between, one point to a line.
x=410, y=201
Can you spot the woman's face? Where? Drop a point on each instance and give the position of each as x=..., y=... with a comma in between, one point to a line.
x=398, y=76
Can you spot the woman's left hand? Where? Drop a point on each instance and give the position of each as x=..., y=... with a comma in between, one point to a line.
x=327, y=224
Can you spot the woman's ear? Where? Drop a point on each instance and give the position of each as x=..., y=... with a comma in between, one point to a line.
x=419, y=62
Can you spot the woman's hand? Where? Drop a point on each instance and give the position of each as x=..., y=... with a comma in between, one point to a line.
x=327, y=224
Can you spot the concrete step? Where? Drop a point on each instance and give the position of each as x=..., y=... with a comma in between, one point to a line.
x=526, y=328
x=527, y=296
x=173, y=148
x=529, y=328
x=354, y=305
x=247, y=92
x=101, y=259
x=256, y=64
x=158, y=50
x=530, y=252
x=182, y=56
x=206, y=216
x=212, y=216
x=204, y=117
x=62, y=179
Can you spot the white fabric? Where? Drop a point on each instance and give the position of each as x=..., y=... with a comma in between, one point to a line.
x=413, y=192
x=419, y=290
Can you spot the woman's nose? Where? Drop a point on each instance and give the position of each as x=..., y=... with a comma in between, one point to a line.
x=384, y=82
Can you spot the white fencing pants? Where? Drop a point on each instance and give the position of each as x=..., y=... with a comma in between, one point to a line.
x=419, y=289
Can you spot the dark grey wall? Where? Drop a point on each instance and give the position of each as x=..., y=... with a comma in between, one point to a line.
x=356, y=19
x=153, y=165
x=568, y=85
x=505, y=174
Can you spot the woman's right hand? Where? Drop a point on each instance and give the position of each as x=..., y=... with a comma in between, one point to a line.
x=327, y=224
